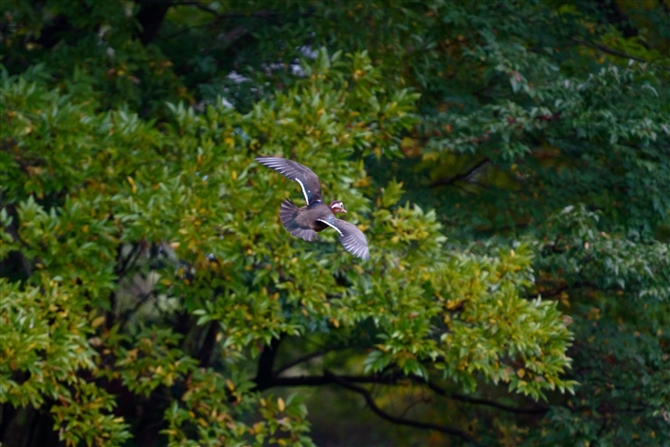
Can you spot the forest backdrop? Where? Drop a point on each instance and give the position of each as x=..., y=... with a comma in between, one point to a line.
x=509, y=163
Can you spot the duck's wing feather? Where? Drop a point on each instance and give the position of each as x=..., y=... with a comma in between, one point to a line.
x=308, y=180
x=352, y=239
x=289, y=216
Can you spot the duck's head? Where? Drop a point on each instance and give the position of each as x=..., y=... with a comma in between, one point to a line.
x=337, y=207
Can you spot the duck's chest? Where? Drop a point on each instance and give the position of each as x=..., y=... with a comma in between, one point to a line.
x=310, y=215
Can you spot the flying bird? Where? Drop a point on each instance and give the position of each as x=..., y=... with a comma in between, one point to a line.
x=316, y=216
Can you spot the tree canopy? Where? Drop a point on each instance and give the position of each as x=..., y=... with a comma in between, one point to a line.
x=509, y=163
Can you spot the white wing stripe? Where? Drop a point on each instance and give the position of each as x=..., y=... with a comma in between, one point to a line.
x=304, y=192
x=330, y=225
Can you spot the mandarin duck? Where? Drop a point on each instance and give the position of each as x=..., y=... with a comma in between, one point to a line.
x=316, y=216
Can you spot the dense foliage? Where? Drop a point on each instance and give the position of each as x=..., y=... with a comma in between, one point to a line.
x=508, y=162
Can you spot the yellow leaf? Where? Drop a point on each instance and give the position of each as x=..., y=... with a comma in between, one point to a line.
x=230, y=385
x=132, y=184
x=97, y=322
x=407, y=142
x=280, y=404
x=521, y=372
x=361, y=183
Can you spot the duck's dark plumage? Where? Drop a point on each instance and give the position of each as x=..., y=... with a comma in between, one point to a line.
x=305, y=222
x=295, y=223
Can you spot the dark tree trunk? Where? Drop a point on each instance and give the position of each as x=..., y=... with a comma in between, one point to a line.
x=265, y=373
x=27, y=427
x=617, y=18
x=52, y=34
x=150, y=17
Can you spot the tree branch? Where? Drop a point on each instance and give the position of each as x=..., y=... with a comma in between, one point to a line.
x=463, y=176
x=326, y=379
x=200, y=6
x=128, y=261
x=396, y=420
x=473, y=400
x=300, y=360
x=613, y=52
x=349, y=382
x=608, y=50
x=308, y=357
x=266, y=15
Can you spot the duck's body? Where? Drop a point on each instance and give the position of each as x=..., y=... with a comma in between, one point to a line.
x=304, y=222
x=316, y=216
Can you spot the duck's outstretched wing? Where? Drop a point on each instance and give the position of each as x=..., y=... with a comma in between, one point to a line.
x=288, y=214
x=308, y=180
x=352, y=239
